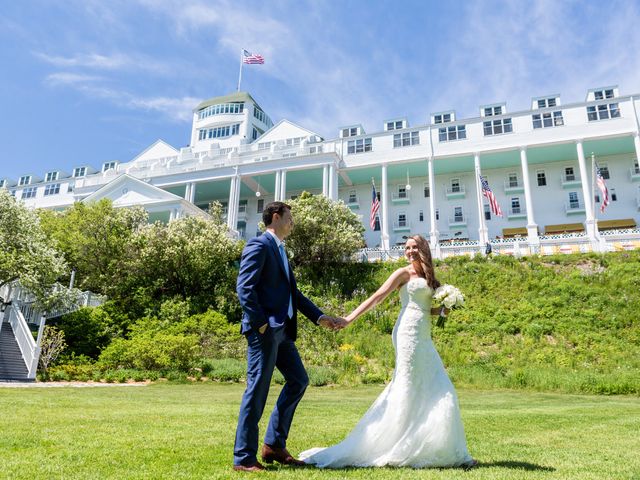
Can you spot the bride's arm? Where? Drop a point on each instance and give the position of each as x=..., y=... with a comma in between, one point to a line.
x=397, y=278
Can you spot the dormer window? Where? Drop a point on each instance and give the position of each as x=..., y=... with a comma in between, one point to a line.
x=350, y=132
x=79, y=172
x=25, y=180
x=109, y=166
x=394, y=125
x=493, y=111
x=443, y=118
x=51, y=176
x=3, y=183
x=548, y=102
x=603, y=94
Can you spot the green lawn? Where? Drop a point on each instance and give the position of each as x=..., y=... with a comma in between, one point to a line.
x=186, y=431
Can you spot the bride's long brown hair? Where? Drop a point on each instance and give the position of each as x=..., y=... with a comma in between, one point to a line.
x=424, y=266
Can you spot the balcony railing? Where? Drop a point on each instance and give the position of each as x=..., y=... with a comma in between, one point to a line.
x=457, y=220
x=353, y=202
x=517, y=212
x=513, y=186
x=574, y=207
x=570, y=180
x=401, y=225
x=400, y=197
x=456, y=191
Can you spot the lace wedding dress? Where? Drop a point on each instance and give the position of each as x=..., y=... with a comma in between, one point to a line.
x=415, y=422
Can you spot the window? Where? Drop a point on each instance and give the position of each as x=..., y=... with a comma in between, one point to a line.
x=219, y=132
x=293, y=142
x=513, y=180
x=636, y=167
x=550, y=119
x=315, y=149
x=224, y=108
x=427, y=193
x=52, y=189
x=574, y=201
x=602, y=94
x=353, y=197
x=402, y=219
x=515, y=205
x=542, y=178
x=406, y=139
x=264, y=145
x=3, y=183
x=257, y=132
x=402, y=191
x=487, y=212
x=496, y=127
x=260, y=206
x=349, y=132
x=260, y=115
x=242, y=206
x=396, y=125
x=569, y=175
x=359, y=146
x=108, y=166
x=29, y=192
x=603, y=112
x=26, y=180
x=421, y=216
x=79, y=172
x=604, y=171
x=376, y=225
x=442, y=118
x=289, y=155
x=437, y=214
x=455, y=185
x=457, y=214
x=455, y=132
x=492, y=111
x=614, y=195
x=547, y=102
x=51, y=176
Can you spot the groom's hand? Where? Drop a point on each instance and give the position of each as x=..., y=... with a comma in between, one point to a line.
x=327, y=322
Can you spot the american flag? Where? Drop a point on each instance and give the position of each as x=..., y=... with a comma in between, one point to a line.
x=252, y=58
x=486, y=191
x=603, y=188
x=375, y=206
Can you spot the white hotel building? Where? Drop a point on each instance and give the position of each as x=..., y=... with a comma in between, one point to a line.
x=537, y=162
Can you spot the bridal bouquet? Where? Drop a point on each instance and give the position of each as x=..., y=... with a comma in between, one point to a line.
x=447, y=296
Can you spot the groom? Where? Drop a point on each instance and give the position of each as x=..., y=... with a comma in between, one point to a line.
x=270, y=300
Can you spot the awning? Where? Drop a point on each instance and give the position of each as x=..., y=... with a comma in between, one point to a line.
x=512, y=232
x=615, y=224
x=563, y=228
x=454, y=234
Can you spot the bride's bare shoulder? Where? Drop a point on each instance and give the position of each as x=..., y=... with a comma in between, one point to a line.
x=403, y=274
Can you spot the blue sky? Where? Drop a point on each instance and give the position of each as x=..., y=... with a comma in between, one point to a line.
x=87, y=81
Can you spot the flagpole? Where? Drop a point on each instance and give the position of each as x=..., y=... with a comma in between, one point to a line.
x=593, y=192
x=241, y=62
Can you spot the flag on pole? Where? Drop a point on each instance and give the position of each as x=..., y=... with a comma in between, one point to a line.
x=603, y=189
x=375, y=206
x=486, y=191
x=252, y=58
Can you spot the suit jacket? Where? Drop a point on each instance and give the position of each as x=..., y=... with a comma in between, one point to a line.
x=264, y=290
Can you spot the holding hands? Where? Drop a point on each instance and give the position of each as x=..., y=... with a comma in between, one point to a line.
x=332, y=323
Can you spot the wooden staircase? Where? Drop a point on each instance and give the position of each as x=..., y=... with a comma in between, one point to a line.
x=12, y=366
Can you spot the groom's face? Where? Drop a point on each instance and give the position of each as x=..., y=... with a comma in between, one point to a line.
x=283, y=224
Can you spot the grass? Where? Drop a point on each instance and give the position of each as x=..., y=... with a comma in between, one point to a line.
x=179, y=431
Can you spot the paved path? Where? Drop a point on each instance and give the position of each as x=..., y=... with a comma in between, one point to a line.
x=69, y=384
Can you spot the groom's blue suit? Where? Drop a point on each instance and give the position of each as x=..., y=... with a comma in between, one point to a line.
x=265, y=290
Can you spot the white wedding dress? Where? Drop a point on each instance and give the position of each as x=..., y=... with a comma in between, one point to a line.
x=415, y=422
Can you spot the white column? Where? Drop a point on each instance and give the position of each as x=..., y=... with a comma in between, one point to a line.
x=333, y=182
x=434, y=234
x=532, y=227
x=232, y=207
x=172, y=215
x=276, y=189
x=636, y=142
x=384, y=236
x=325, y=180
x=586, y=191
x=191, y=192
x=483, y=236
x=283, y=185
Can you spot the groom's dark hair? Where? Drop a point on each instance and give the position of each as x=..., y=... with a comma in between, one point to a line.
x=271, y=208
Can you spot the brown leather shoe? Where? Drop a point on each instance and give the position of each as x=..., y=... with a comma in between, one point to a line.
x=270, y=454
x=254, y=467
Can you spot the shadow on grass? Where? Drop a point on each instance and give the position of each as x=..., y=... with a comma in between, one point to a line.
x=515, y=465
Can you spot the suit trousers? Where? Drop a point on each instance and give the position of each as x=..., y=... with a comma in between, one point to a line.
x=265, y=351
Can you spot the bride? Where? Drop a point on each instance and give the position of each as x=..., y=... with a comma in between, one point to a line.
x=415, y=422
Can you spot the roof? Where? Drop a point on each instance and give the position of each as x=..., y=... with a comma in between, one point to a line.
x=233, y=97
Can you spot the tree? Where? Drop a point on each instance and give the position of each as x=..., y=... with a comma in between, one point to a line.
x=52, y=345
x=324, y=231
x=96, y=240
x=26, y=253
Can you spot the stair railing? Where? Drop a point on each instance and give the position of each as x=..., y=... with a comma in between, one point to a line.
x=28, y=346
